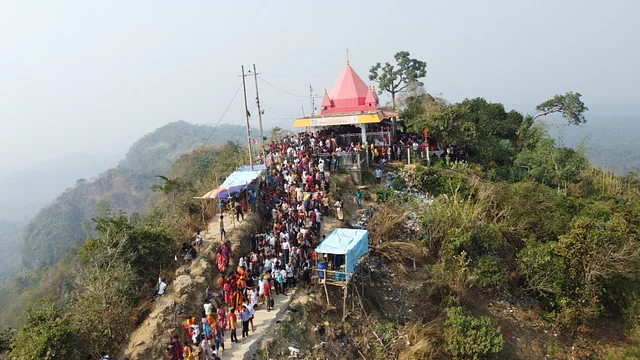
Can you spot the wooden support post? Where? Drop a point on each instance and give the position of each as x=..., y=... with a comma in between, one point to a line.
x=344, y=301
x=326, y=291
x=359, y=168
x=204, y=220
x=353, y=301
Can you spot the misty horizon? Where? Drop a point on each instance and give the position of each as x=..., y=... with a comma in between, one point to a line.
x=93, y=78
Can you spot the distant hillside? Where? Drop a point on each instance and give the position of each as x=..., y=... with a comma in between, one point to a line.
x=10, y=248
x=58, y=227
x=157, y=151
x=612, y=133
x=24, y=192
x=613, y=141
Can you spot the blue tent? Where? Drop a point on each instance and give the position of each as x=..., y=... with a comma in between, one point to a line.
x=238, y=178
x=255, y=167
x=236, y=182
x=353, y=243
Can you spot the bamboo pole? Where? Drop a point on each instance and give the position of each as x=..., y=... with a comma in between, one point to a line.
x=326, y=291
x=344, y=301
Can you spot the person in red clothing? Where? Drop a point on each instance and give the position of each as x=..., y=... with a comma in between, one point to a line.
x=174, y=350
x=267, y=294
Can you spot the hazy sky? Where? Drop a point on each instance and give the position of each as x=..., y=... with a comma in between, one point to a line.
x=93, y=76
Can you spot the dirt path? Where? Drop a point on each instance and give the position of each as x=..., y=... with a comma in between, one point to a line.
x=184, y=297
x=262, y=318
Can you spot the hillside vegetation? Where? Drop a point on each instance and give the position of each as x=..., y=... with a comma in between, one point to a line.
x=108, y=281
x=10, y=247
x=57, y=229
x=520, y=250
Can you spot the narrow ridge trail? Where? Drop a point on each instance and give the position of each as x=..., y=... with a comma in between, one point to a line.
x=185, y=294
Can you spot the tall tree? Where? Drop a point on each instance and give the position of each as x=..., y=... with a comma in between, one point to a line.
x=569, y=105
x=396, y=78
x=451, y=125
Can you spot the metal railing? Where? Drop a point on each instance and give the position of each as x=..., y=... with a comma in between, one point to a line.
x=332, y=276
x=380, y=138
x=346, y=161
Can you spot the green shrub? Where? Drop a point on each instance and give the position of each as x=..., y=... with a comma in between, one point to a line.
x=544, y=272
x=46, y=336
x=398, y=183
x=634, y=334
x=457, y=185
x=428, y=179
x=6, y=339
x=470, y=337
x=630, y=353
x=489, y=272
x=457, y=242
x=383, y=193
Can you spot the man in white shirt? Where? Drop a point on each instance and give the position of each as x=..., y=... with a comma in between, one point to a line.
x=285, y=249
x=251, y=313
x=208, y=308
x=299, y=194
x=272, y=241
x=162, y=286
x=318, y=219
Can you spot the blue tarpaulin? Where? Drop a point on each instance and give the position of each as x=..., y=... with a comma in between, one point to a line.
x=353, y=243
x=238, y=178
x=255, y=167
x=235, y=182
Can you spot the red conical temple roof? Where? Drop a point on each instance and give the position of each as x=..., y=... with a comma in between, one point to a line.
x=372, y=98
x=348, y=94
x=326, y=102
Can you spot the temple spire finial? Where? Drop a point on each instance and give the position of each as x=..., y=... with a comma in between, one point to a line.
x=347, y=56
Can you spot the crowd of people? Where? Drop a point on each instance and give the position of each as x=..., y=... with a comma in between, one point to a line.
x=379, y=148
x=295, y=199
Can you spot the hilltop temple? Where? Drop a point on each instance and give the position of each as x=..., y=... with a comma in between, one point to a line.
x=351, y=103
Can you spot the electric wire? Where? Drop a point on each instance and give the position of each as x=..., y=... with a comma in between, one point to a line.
x=285, y=91
x=224, y=113
x=281, y=112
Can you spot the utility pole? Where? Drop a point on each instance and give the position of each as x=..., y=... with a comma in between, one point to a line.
x=246, y=114
x=313, y=101
x=255, y=76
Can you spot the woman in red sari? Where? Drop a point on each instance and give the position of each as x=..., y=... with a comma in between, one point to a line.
x=227, y=293
x=222, y=262
x=222, y=318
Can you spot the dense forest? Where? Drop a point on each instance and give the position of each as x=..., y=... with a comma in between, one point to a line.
x=58, y=227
